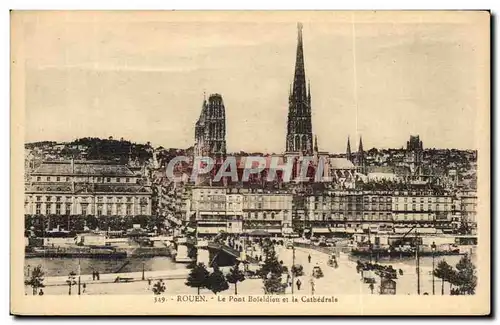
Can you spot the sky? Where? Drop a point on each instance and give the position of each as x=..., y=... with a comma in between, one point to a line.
x=142, y=76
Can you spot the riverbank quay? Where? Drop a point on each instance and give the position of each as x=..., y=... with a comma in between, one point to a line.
x=343, y=280
x=125, y=277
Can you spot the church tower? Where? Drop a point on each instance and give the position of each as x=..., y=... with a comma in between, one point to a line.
x=299, y=137
x=348, y=151
x=210, y=130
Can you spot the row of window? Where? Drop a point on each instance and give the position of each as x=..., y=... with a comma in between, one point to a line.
x=352, y=206
x=67, y=179
x=85, y=209
x=422, y=200
x=422, y=208
x=48, y=198
x=367, y=199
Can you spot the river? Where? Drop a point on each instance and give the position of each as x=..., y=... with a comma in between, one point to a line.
x=63, y=266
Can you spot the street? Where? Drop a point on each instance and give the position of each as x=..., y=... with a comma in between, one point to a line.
x=343, y=280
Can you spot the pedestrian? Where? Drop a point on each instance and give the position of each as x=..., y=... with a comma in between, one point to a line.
x=84, y=286
x=97, y=275
x=309, y=258
x=312, y=287
x=40, y=293
x=298, y=284
x=93, y=275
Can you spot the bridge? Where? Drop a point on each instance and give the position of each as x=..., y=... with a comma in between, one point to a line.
x=208, y=252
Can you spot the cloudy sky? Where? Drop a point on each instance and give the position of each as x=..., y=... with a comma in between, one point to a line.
x=142, y=76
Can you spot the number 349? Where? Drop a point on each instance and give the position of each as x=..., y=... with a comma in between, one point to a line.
x=160, y=300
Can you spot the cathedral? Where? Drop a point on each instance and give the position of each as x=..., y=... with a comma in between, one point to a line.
x=299, y=138
x=210, y=130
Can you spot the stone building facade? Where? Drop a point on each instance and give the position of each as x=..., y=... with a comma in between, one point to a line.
x=96, y=188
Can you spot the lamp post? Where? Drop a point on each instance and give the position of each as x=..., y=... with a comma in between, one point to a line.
x=143, y=278
x=79, y=276
x=370, y=247
x=417, y=260
x=433, y=248
x=291, y=269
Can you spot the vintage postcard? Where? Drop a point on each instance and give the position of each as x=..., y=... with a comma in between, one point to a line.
x=250, y=163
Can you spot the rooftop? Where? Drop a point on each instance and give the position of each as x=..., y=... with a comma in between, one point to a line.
x=83, y=168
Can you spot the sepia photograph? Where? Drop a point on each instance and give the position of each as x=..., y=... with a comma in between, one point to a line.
x=250, y=162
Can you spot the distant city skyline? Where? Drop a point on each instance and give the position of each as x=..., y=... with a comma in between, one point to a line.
x=145, y=79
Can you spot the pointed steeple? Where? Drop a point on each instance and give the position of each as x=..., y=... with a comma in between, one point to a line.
x=299, y=81
x=348, y=151
x=361, y=156
x=316, y=144
x=309, y=91
x=299, y=128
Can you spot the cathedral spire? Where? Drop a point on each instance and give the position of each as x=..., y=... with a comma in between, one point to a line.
x=348, y=151
x=299, y=81
x=316, y=144
x=309, y=91
x=299, y=135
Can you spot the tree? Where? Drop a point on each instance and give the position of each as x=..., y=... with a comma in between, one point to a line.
x=198, y=277
x=273, y=284
x=159, y=287
x=36, y=279
x=271, y=264
x=235, y=275
x=466, y=276
x=216, y=281
x=444, y=272
x=271, y=272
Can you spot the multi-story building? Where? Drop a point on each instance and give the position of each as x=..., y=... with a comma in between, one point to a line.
x=426, y=210
x=468, y=210
x=86, y=188
x=237, y=211
x=267, y=211
x=377, y=211
x=208, y=205
x=380, y=212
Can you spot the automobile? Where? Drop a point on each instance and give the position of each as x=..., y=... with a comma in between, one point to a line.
x=289, y=245
x=317, y=272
